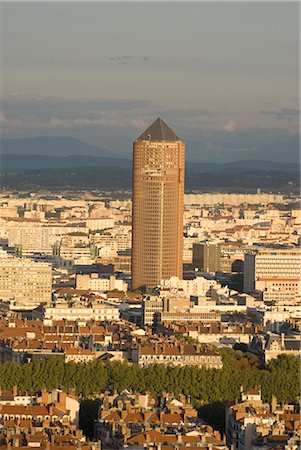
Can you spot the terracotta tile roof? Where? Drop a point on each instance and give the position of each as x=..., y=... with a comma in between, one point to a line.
x=151, y=417
x=171, y=418
x=252, y=391
x=152, y=437
x=21, y=410
x=78, y=351
x=190, y=439
x=112, y=416
x=134, y=417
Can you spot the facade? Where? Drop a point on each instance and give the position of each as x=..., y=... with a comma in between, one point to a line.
x=101, y=312
x=138, y=421
x=158, y=205
x=94, y=282
x=79, y=355
x=24, y=281
x=213, y=199
x=251, y=424
x=46, y=420
x=274, y=272
x=198, y=286
x=181, y=355
x=206, y=256
x=167, y=309
x=152, y=308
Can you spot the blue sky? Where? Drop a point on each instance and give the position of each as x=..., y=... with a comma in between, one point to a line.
x=224, y=75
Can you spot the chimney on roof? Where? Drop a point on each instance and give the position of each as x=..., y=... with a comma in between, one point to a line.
x=282, y=341
x=273, y=404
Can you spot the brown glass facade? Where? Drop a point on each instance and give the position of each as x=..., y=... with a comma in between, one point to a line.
x=158, y=202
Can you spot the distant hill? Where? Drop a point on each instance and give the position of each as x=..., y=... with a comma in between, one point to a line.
x=31, y=162
x=239, y=166
x=285, y=149
x=51, y=146
x=120, y=178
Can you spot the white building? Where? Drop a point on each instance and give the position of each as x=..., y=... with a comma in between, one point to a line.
x=97, y=311
x=100, y=223
x=94, y=282
x=24, y=281
x=199, y=286
x=274, y=272
x=209, y=199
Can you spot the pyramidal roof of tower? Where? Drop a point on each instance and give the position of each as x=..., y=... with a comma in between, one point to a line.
x=159, y=131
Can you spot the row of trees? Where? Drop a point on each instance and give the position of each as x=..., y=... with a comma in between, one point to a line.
x=203, y=386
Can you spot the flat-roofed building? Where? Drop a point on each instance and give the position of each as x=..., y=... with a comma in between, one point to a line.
x=24, y=281
x=206, y=256
x=275, y=272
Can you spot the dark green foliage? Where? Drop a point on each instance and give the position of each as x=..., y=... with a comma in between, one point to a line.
x=214, y=414
x=201, y=385
x=87, y=414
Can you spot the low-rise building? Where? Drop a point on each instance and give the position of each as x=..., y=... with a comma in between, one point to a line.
x=96, y=283
x=251, y=424
x=179, y=355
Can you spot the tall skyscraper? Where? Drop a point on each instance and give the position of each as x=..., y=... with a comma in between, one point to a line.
x=158, y=203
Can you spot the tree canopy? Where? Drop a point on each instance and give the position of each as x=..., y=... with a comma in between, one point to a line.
x=202, y=385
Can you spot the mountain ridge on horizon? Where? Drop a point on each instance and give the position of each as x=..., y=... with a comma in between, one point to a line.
x=33, y=162
x=53, y=146
x=64, y=146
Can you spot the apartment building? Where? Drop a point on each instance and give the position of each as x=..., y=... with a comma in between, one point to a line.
x=24, y=281
x=197, y=286
x=140, y=421
x=95, y=282
x=167, y=308
x=213, y=199
x=100, y=223
x=179, y=355
x=276, y=272
x=79, y=355
x=95, y=311
x=252, y=424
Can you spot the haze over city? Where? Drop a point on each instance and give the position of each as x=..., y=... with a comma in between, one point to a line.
x=150, y=226
x=225, y=75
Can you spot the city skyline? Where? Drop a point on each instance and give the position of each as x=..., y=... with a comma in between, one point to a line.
x=150, y=225
x=226, y=74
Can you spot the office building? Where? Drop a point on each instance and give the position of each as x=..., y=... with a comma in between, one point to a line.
x=158, y=198
x=206, y=257
x=274, y=272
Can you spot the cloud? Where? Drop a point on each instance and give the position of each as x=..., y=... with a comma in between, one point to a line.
x=44, y=113
x=125, y=59
x=230, y=126
x=27, y=109
x=283, y=113
x=3, y=119
x=118, y=58
x=138, y=123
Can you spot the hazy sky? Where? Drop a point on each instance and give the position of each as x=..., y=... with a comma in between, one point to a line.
x=224, y=75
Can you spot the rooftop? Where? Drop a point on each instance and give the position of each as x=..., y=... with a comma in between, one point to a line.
x=159, y=131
